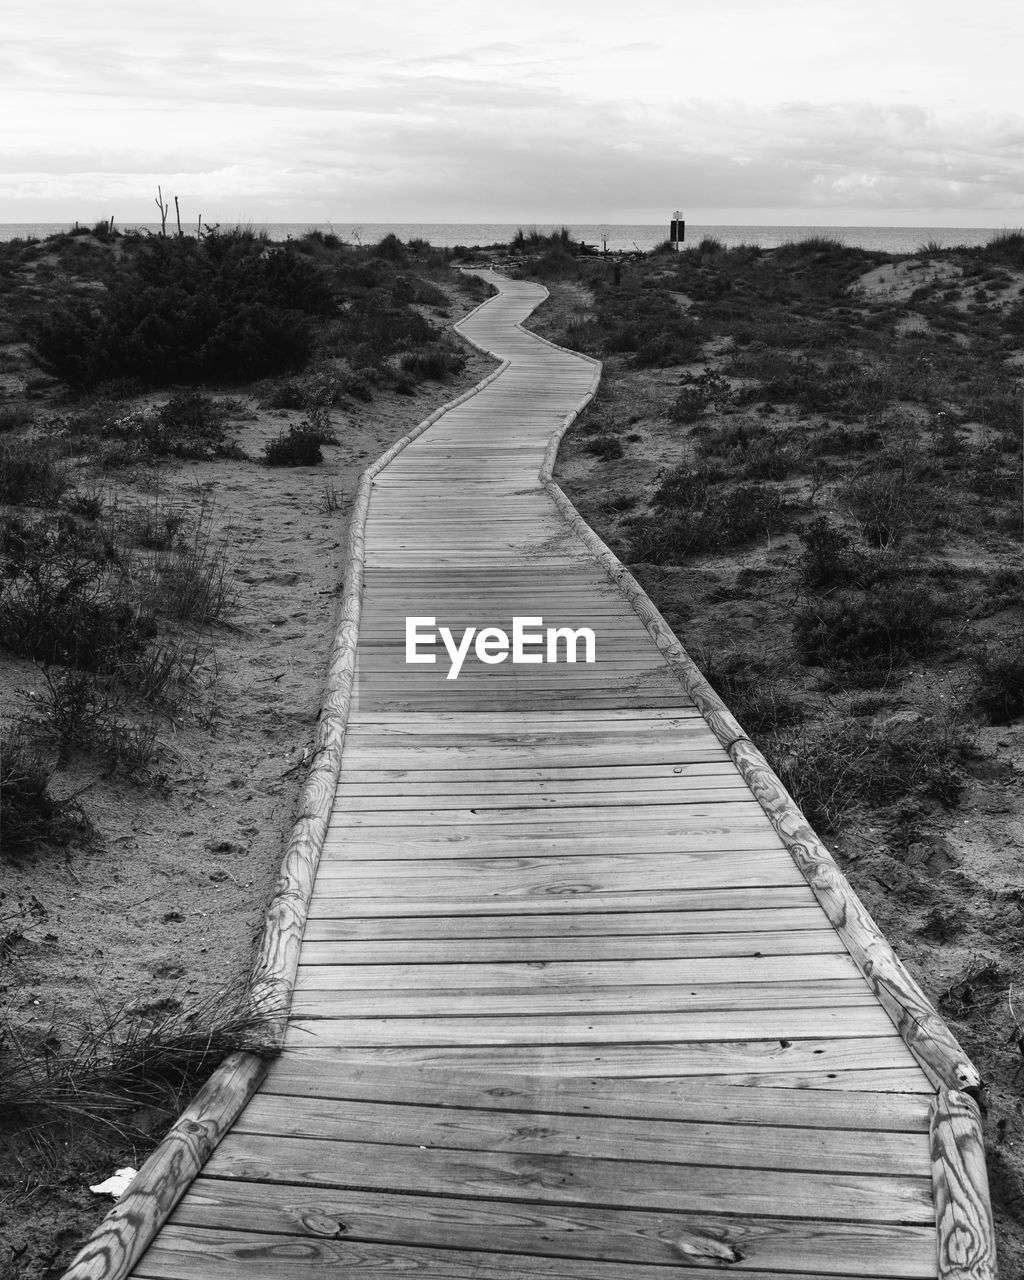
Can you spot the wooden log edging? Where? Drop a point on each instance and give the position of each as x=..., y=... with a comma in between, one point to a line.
x=125, y=1233
x=963, y=1219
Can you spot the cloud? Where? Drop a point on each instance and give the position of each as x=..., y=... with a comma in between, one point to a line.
x=398, y=115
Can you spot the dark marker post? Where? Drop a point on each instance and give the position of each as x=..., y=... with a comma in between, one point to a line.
x=677, y=230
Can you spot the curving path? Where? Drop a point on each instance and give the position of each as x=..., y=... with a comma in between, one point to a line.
x=567, y=1005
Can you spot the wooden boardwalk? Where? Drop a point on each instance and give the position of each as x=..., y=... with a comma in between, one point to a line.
x=566, y=1006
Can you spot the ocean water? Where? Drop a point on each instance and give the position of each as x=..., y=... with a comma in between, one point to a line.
x=607, y=235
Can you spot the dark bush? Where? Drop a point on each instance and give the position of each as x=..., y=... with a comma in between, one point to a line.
x=605, y=447
x=58, y=597
x=299, y=446
x=31, y=473
x=13, y=417
x=181, y=310
x=83, y=711
x=853, y=763
x=686, y=486
x=725, y=516
x=189, y=425
x=885, y=624
x=999, y=687
x=751, y=692
x=293, y=448
x=749, y=447
x=286, y=395
x=894, y=495
x=828, y=557
x=1006, y=247
x=437, y=361
x=376, y=326
x=391, y=248
x=699, y=395
x=31, y=818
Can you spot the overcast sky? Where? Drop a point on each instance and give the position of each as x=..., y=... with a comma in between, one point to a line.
x=885, y=112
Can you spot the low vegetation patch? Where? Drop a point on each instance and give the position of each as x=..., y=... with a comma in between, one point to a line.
x=32, y=818
x=695, y=511
x=870, y=630
x=999, y=689
x=300, y=445
x=851, y=763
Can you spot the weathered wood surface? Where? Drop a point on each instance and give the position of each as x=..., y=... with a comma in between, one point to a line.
x=579, y=993
x=967, y=1247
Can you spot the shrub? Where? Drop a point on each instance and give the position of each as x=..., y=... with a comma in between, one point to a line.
x=887, y=623
x=847, y=763
x=391, y=248
x=695, y=398
x=892, y=497
x=31, y=474
x=987, y=473
x=82, y=711
x=1006, y=247
x=59, y=597
x=1003, y=589
x=999, y=685
x=286, y=395
x=648, y=326
x=154, y=527
x=828, y=557
x=12, y=418
x=191, y=581
x=224, y=307
x=296, y=447
x=375, y=327
x=31, y=818
x=605, y=447
x=534, y=239
x=726, y=516
x=189, y=425
x=437, y=361
x=751, y=692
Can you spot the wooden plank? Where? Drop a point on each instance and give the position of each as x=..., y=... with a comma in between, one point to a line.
x=548, y=877
x=703, y=1027
x=897, y=1198
x=612, y=1235
x=254, y=1255
x=543, y=950
x=350, y=801
x=335, y=904
x=858, y=1063
x=354, y=797
x=477, y=1002
x=343, y=1075
x=579, y=974
x=426, y=776
x=599, y=1137
x=361, y=756
x=458, y=721
x=600, y=924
